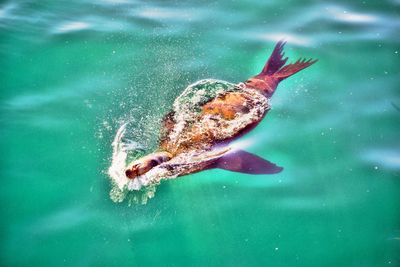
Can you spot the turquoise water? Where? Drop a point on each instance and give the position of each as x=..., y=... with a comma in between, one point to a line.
x=73, y=72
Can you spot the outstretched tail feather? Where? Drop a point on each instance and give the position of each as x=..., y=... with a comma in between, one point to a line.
x=275, y=65
x=276, y=60
x=291, y=69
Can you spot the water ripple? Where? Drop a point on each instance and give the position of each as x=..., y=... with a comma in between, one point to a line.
x=289, y=37
x=163, y=13
x=62, y=219
x=6, y=10
x=327, y=23
x=72, y=26
x=341, y=14
x=389, y=158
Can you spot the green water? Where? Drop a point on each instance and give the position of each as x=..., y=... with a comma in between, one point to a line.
x=72, y=72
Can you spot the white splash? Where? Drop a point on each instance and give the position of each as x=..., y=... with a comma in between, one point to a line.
x=119, y=157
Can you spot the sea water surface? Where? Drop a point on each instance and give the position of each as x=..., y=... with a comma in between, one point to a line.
x=73, y=72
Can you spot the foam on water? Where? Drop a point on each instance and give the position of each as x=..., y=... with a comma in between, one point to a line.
x=119, y=156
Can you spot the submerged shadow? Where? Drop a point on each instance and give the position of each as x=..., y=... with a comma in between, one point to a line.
x=245, y=162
